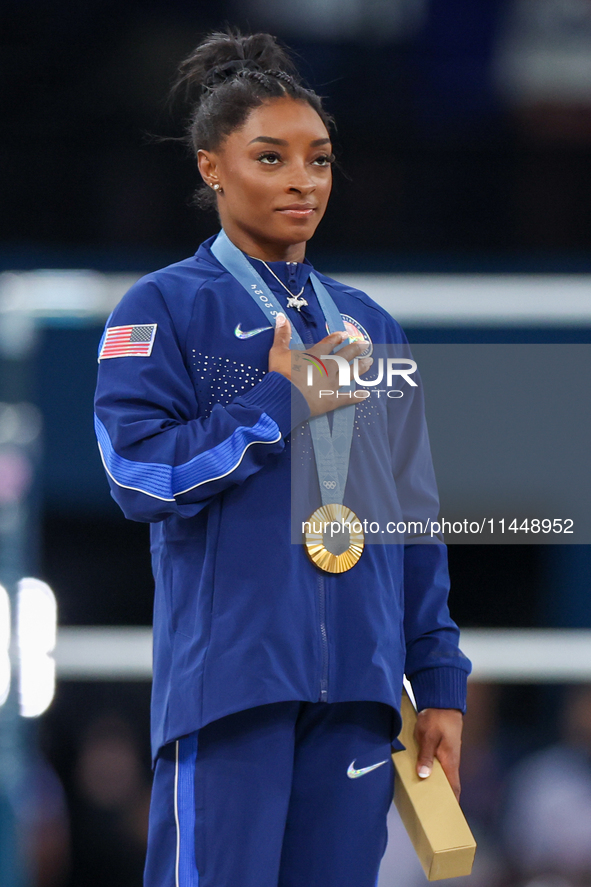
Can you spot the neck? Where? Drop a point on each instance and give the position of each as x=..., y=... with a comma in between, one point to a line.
x=267, y=250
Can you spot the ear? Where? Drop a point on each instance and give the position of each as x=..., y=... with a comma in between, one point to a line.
x=207, y=166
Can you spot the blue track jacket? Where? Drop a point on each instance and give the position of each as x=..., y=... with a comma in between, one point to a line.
x=194, y=434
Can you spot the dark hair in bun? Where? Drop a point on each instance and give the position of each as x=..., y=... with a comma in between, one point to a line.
x=225, y=77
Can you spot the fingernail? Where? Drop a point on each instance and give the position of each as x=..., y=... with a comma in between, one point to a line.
x=343, y=334
x=367, y=361
x=280, y=320
x=424, y=771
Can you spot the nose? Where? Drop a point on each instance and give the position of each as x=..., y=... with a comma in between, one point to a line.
x=302, y=188
x=301, y=181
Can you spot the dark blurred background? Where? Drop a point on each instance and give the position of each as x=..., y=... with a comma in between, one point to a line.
x=463, y=128
x=464, y=141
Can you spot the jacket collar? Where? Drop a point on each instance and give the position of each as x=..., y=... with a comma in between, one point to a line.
x=281, y=269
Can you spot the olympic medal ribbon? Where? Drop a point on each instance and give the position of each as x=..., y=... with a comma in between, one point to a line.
x=331, y=451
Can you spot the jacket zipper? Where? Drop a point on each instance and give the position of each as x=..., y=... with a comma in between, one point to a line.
x=323, y=640
x=291, y=278
x=321, y=587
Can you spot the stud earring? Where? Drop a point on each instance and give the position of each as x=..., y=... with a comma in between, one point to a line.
x=217, y=187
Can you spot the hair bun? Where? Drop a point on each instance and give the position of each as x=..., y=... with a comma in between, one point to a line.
x=223, y=54
x=220, y=73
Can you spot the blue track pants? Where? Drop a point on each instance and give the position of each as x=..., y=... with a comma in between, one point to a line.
x=281, y=795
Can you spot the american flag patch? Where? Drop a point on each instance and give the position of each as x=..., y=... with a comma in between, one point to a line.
x=128, y=341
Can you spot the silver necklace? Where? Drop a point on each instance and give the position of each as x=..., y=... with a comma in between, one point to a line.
x=294, y=300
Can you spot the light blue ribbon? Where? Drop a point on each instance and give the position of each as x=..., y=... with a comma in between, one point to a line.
x=332, y=451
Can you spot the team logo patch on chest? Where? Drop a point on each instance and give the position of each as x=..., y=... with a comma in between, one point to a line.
x=135, y=340
x=357, y=333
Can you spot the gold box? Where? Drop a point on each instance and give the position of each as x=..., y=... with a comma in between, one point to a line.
x=429, y=810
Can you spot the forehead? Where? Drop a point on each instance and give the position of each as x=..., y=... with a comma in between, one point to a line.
x=282, y=118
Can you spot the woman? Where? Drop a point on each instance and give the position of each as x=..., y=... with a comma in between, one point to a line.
x=277, y=683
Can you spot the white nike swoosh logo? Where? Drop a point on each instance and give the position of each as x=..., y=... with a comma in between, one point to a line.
x=352, y=773
x=246, y=334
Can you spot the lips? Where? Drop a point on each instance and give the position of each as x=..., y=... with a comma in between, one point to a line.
x=298, y=210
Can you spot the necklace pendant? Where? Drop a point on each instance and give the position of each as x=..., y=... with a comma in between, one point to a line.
x=296, y=302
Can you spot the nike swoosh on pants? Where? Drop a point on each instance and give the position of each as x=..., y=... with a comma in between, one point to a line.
x=352, y=773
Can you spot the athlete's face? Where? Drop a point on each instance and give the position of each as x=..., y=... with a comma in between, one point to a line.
x=275, y=175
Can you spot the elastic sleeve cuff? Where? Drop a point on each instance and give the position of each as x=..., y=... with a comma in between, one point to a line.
x=443, y=687
x=280, y=399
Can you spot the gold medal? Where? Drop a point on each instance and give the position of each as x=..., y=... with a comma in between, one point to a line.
x=334, y=538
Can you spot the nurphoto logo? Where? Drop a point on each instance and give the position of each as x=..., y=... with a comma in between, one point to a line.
x=389, y=368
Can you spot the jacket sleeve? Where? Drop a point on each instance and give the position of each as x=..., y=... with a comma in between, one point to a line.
x=161, y=457
x=435, y=666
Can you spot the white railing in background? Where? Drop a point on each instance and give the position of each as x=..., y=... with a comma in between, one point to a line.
x=498, y=655
x=501, y=300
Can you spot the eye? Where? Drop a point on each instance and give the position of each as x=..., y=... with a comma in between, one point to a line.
x=325, y=160
x=270, y=158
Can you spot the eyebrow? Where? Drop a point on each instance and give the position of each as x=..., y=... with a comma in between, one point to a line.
x=271, y=141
